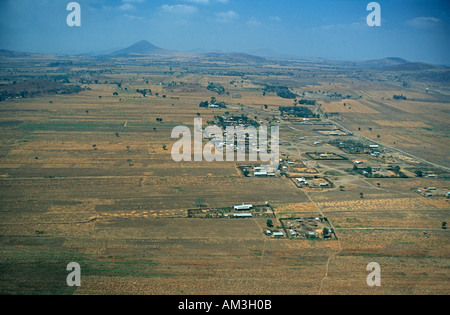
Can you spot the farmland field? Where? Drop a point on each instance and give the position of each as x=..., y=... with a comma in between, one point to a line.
x=88, y=177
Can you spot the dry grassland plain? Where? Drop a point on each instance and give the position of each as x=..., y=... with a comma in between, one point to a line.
x=85, y=177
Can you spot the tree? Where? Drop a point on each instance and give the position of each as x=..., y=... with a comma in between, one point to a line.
x=419, y=173
x=341, y=188
x=164, y=147
x=444, y=225
x=199, y=202
x=269, y=223
x=362, y=195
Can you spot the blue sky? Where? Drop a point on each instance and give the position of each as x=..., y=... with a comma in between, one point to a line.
x=416, y=30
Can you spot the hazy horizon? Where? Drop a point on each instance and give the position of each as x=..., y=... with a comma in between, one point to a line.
x=414, y=30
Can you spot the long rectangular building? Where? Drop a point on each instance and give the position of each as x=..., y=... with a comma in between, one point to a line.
x=243, y=207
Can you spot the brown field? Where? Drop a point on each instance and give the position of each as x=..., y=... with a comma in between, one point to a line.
x=86, y=179
x=352, y=106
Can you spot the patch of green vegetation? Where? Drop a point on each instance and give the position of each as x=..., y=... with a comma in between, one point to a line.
x=281, y=91
x=256, y=252
x=10, y=123
x=39, y=267
x=216, y=88
x=297, y=111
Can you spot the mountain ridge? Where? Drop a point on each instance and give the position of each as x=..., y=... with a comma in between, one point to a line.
x=145, y=48
x=142, y=47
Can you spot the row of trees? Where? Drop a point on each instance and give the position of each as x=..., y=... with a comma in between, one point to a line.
x=297, y=111
x=144, y=92
x=216, y=88
x=281, y=91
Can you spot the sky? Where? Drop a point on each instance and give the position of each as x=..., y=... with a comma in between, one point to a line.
x=416, y=30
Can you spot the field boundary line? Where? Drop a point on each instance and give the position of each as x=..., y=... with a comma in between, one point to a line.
x=333, y=254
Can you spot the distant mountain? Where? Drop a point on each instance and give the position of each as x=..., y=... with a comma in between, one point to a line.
x=236, y=57
x=411, y=66
x=10, y=53
x=140, y=48
x=380, y=63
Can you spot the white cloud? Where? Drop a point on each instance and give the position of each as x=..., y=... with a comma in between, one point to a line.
x=133, y=17
x=275, y=18
x=224, y=17
x=423, y=22
x=253, y=22
x=127, y=7
x=179, y=9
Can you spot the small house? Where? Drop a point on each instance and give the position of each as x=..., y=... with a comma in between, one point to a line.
x=243, y=207
x=278, y=234
x=260, y=174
